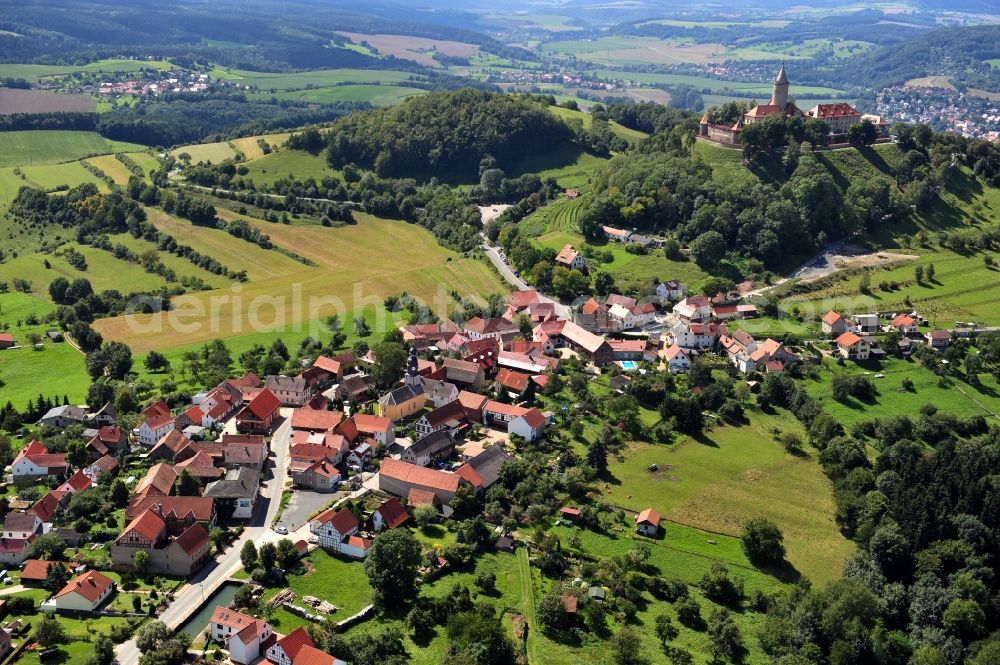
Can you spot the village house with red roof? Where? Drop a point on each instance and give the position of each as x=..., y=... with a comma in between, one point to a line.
x=84, y=593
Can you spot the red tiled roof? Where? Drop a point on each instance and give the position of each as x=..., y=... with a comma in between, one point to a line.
x=224, y=616
x=848, y=339
x=833, y=111
x=157, y=408
x=315, y=420
x=149, y=525
x=91, y=585
x=534, y=418
x=310, y=655
x=264, y=404
x=566, y=255
x=295, y=640
x=392, y=512
x=471, y=475
x=648, y=516
x=418, y=475
x=521, y=299
x=419, y=497
x=77, y=482
x=359, y=542
x=193, y=539
x=512, y=380
x=198, y=507
x=502, y=409
x=902, y=320
x=341, y=520
x=831, y=318
x=160, y=477
x=369, y=424
x=36, y=570
x=46, y=507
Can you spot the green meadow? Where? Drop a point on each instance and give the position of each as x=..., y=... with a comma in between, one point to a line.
x=24, y=148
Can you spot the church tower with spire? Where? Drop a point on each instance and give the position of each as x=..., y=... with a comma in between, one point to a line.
x=412, y=378
x=779, y=93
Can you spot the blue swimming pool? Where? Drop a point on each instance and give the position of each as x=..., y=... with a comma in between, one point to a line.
x=628, y=365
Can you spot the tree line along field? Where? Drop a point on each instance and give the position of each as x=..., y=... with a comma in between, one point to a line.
x=415, y=49
x=347, y=258
x=374, y=94
x=713, y=84
x=36, y=73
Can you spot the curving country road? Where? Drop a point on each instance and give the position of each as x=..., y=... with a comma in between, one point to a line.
x=562, y=311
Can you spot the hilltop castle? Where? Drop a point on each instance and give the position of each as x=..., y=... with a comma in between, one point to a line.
x=838, y=116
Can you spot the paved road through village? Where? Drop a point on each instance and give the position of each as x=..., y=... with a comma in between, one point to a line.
x=192, y=595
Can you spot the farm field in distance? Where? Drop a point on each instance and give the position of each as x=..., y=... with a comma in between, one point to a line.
x=13, y=101
x=417, y=49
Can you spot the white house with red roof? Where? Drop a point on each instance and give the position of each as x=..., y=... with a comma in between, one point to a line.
x=690, y=335
x=376, y=427
x=333, y=527
x=678, y=360
x=84, y=593
x=297, y=648
x=853, y=346
x=157, y=423
x=905, y=324
x=694, y=308
x=389, y=515
x=529, y=425
x=35, y=460
x=570, y=258
x=833, y=323
x=648, y=523
x=243, y=635
x=78, y=482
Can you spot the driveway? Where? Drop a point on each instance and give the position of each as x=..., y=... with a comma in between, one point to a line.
x=303, y=504
x=493, y=253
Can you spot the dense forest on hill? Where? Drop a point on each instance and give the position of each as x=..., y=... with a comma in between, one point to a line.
x=252, y=35
x=956, y=52
x=446, y=133
x=861, y=25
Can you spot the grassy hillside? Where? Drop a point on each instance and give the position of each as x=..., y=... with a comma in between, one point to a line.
x=52, y=146
x=356, y=268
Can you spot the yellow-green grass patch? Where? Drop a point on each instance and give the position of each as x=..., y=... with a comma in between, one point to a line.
x=956, y=396
x=287, y=163
x=733, y=474
x=104, y=271
x=54, y=370
x=51, y=176
x=232, y=252
x=112, y=168
x=178, y=264
x=358, y=264
x=144, y=160
x=212, y=153
x=250, y=145
x=377, y=95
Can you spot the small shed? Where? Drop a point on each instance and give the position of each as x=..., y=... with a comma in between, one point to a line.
x=647, y=523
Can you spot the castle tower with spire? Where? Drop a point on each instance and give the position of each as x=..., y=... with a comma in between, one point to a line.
x=779, y=93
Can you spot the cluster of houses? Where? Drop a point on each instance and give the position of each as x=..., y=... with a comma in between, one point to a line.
x=854, y=341
x=248, y=639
